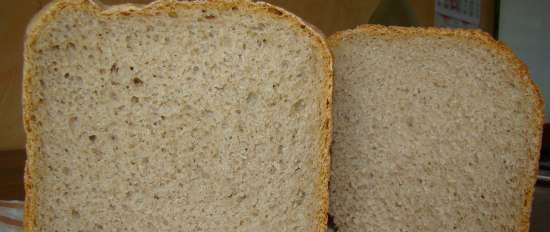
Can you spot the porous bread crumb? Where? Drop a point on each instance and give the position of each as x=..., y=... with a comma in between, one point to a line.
x=176, y=116
x=434, y=130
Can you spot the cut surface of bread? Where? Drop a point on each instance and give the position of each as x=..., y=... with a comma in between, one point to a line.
x=175, y=116
x=434, y=130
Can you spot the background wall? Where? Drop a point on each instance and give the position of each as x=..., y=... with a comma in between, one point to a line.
x=525, y=27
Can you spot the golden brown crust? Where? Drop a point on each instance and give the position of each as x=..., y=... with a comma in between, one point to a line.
x=480, y=38
x=49, y=12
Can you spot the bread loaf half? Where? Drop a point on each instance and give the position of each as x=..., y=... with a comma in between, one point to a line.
x=435, y=130
x=175, y=116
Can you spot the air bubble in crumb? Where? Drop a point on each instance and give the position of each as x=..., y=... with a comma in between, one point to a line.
x=75, y=213
x=114, y=68
x=137, y=81
x=251, y=98
x=92, y=138
x=300, y=198
x=297, y=107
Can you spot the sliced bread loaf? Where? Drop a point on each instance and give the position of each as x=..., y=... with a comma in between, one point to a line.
x=434, y=130
x=175, y=116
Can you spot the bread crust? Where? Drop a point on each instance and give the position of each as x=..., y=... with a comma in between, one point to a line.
x=50, y=11
x=480, y=38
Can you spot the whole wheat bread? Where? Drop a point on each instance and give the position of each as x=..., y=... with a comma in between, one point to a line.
x=434, y=130
x=175, y=116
